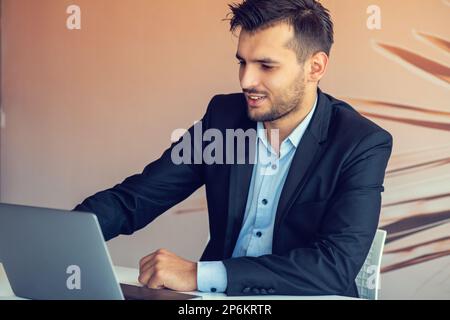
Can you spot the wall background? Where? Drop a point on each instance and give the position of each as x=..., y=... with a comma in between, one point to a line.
x=86, y=108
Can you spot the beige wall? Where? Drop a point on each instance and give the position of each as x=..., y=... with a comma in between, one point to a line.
x=84, y=109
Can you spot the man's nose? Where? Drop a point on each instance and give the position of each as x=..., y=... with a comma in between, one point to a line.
x=249, y=78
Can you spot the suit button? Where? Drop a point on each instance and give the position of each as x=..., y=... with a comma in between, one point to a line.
x=271, y=291
x=246, y=290
x=255, y=290
x=263, y=291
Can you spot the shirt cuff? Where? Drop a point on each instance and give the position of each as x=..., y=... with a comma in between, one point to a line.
x=211, y=276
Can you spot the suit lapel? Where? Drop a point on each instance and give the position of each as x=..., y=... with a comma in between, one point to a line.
x=306, y=156
x=240, y=179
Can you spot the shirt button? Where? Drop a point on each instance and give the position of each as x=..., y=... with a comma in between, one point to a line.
x=264, y=201
x=274, y=167
x=213, y=289
x=259, y=234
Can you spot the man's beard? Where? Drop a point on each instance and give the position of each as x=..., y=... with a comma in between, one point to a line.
x=288, y=102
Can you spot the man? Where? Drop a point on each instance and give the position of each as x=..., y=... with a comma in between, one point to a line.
x=300, y=225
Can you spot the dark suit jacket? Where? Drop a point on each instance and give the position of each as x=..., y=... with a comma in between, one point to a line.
x=326, y=217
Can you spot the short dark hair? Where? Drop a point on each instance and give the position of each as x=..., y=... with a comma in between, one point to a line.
x=312, y=22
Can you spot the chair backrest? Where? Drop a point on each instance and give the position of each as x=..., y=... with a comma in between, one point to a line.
x=368, y=279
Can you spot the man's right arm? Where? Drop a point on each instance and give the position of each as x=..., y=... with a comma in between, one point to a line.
x=139, y=199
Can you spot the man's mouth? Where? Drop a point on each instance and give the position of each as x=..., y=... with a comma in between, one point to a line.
x=255, y=100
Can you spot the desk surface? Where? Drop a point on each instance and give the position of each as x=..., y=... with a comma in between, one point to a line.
x=130, y=276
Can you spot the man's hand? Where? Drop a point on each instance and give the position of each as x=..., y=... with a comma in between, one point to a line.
x=163, y=269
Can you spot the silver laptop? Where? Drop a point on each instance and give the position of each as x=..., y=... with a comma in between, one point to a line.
x=53, y=254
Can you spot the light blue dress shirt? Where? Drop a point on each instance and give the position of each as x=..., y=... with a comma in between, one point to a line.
x=268, y=177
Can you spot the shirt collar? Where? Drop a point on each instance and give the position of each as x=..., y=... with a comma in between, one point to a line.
x=296, y=136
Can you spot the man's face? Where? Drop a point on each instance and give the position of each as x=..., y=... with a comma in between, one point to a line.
x=271, y=77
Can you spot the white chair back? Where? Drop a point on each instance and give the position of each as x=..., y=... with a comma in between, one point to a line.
x=368, y=279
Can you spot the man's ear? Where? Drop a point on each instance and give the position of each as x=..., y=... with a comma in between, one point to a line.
x=317, y=67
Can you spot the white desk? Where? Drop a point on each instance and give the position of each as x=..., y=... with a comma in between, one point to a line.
x=130, y=276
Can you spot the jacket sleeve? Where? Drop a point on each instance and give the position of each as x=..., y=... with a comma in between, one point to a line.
x=141, y=198
x=330, y=263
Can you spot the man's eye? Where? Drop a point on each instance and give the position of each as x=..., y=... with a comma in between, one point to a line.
x=241, y=63
x=266, y=67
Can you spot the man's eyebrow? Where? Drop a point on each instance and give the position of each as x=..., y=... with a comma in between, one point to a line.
x=261, y=60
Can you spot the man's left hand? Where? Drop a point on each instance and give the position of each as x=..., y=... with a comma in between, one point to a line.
x=163, y=269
